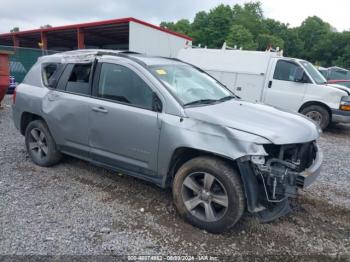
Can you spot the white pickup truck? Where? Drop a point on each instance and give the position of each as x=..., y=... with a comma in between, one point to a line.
x=268, y=77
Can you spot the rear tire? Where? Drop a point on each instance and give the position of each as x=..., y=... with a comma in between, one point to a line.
x=40, y=144
x=318, y=114
x=208, y=193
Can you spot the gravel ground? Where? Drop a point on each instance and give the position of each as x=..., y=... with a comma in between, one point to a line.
x=75, y=208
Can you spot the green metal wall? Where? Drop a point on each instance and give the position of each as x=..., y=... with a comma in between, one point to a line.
x=23, y=59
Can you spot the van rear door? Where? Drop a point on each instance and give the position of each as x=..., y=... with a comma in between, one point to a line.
x=282, y=90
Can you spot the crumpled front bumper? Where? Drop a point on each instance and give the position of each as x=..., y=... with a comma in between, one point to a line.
x=307, y=177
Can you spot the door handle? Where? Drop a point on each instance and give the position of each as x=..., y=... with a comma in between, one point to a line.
x=100, y=109
x=270, y=84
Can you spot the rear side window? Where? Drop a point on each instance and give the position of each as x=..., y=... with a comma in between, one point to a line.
x=285, y=70
x=121, y=84
x=79, y=79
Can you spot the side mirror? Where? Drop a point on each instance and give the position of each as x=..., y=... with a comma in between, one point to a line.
x=299, y=75
x=157, y=104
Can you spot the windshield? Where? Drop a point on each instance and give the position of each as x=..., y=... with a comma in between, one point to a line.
x=314, y=73
x=190, y=85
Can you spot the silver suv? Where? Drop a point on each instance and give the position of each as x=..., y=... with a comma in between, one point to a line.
x=170, y=123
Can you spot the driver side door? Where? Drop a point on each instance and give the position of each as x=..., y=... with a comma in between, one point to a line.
x=282, y=89
x=124, y=126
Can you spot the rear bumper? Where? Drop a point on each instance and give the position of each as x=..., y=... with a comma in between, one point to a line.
x=307, y=177
x=340, y=116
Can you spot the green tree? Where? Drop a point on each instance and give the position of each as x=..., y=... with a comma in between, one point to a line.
x=168, y=25
x=45, y=26
x=200, y=28
x=266, y=41
x=274, y=27
x=241, y=37
x=245, y=25
x=344, y=59
x=219, y=24
x=182, y=26
x=313, y=31
x=250, y=15
x=293, y=44
x=15, y=29
x=340, y=49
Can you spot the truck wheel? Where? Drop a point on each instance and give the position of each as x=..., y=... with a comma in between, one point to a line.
x=208, y=194
x=40, y=144
x=318, y=114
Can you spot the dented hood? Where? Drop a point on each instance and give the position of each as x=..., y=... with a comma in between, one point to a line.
x=277, y=126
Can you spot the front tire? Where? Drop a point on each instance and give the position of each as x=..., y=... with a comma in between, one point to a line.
x=208, y=194
x=318, y=114
x=40, y=144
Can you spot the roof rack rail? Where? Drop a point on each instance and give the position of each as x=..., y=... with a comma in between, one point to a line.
x=88, y=55
x=115, y=52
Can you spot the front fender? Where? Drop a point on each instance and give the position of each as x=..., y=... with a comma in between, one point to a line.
x=328, y=95
x=177, y=132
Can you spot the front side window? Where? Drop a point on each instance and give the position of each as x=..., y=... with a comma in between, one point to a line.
x=285, y=70
x=121, y=84
x=190, y=85
x=314, y=73
x=79, y=79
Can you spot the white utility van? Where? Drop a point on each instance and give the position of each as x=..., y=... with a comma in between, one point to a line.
x=270, y=78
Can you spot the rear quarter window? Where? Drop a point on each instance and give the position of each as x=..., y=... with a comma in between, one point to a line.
x=51, y=73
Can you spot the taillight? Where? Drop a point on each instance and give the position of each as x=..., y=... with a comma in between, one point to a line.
x=14, y=96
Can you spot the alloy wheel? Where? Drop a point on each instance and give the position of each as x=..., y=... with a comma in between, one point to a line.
x=37, y=143
x=204, y=196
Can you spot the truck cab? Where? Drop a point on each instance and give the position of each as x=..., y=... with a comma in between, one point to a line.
x=268, y=77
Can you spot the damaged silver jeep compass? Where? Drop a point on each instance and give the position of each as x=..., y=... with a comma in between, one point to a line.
x=169, y=123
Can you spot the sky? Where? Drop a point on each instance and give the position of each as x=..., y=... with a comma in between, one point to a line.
x=31, y=14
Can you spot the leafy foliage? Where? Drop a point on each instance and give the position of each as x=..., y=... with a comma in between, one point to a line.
x=15, y=29
x=45, y=26
x=245, y=26
x=266, y=41
x=241, y=37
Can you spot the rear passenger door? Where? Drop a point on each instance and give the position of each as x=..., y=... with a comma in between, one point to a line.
x=124, y=131
x=67, y=106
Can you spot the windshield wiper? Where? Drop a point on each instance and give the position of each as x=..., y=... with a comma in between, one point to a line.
x=225, y=98
x=209, y=101
x=201, y=101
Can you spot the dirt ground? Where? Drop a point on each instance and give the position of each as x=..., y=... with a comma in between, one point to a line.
x=75, y=208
